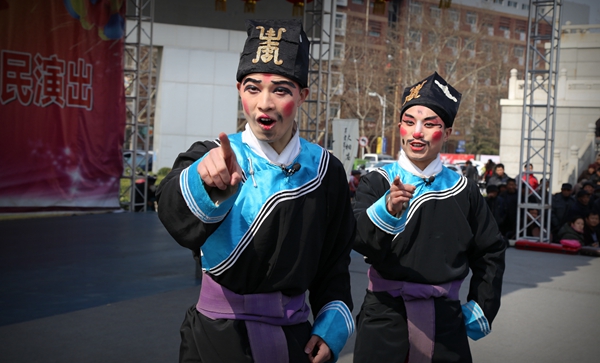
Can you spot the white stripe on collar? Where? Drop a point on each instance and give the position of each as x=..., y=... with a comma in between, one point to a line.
x=434, y=168
x=264, y=149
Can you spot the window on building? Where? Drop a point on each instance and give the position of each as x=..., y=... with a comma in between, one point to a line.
x=453, y=15
x=374, y=29
x=435, y=12
x=360, y=2
x=512, y=4
x=341, y=2
x=452, y=42
x=338, y=50
x=524, y=6
x=471, y=18
x=519, y=51
x=334, y=109
x=521, y=29
x=340, y=24
x=504, y=26
x=504, y=23
x=415, y=8
x=432, y=37
x=414, y=36
x=470, y=47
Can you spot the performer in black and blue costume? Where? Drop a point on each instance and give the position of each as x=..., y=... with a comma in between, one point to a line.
x=270, y=215
x=422, y=227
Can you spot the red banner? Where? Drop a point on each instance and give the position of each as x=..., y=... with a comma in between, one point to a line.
x=62, y=105
x=453, y=158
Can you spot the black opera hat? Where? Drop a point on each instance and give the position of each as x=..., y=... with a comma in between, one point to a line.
x=433, y=92
x=275, y=46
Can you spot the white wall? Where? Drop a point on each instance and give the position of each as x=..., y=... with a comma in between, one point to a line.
x=197, y=97
x=577, y=104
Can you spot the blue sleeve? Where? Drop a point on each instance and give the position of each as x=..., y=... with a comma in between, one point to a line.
x=380, y=216
x=334, y=324
x=197, y=199
x=476, y=323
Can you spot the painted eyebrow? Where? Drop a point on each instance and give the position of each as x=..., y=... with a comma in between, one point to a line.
x=425, y=119
x=251, y=80
x=291, y=84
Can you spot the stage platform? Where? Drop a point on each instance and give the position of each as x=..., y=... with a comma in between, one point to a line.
x=114, y=287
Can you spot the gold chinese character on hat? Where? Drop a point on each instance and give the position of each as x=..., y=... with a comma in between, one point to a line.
x=269, y=47
x=414, y=92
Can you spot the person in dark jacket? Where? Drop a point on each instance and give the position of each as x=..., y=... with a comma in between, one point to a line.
x=572, y=230
x=591, y=230
x=587, y=173
x=561, y=203
x=498, y=177
x=581, y=207
x=508, y=209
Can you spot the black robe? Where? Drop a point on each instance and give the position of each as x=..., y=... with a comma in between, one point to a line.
x=288, y=233
x=447, y=230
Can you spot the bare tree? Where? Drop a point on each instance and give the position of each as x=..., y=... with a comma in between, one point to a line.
x=459, y=45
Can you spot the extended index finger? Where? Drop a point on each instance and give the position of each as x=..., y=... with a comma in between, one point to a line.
x=226, y=150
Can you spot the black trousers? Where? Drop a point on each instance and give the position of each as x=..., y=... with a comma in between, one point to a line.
x=221, y=341
x=382, y=331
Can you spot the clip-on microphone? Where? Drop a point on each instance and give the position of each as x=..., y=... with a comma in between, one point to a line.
x=294, y=168
x=429, y=181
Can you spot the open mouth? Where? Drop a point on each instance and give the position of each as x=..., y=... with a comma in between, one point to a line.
x=266, y=123
x=417, y=146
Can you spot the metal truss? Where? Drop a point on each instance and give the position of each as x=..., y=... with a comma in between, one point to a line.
x=539, y=117
x=140, y=76
x=319, y=25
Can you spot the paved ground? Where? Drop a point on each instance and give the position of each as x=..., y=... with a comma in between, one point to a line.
x=114, y=288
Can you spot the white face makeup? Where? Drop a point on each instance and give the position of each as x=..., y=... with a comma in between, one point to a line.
x=423, y=134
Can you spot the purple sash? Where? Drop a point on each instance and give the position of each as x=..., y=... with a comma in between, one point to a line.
x=420, y=310
x=264, y=315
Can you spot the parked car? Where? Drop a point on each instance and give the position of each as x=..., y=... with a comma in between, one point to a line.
x=378, y=165
x=140, y=159
x=375, y=158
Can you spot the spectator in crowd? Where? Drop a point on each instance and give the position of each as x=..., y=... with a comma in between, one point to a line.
x=589, y=187
x=491, y=198
x=498, y=177
x=353, y=182
x=501, y=188
x=572, y=230
x=587, y=173
x=529, y=178
x=508, y=208
x=561, y=203
x=582, y=206
x=595, y=178
x=591, y=229
x=471, y=171
x=597, y=162
x=488, y=170
x=533, y=222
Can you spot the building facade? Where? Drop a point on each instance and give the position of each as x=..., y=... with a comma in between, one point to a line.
x=577, y=108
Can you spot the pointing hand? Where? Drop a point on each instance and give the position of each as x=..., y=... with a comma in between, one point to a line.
x=220, y=168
